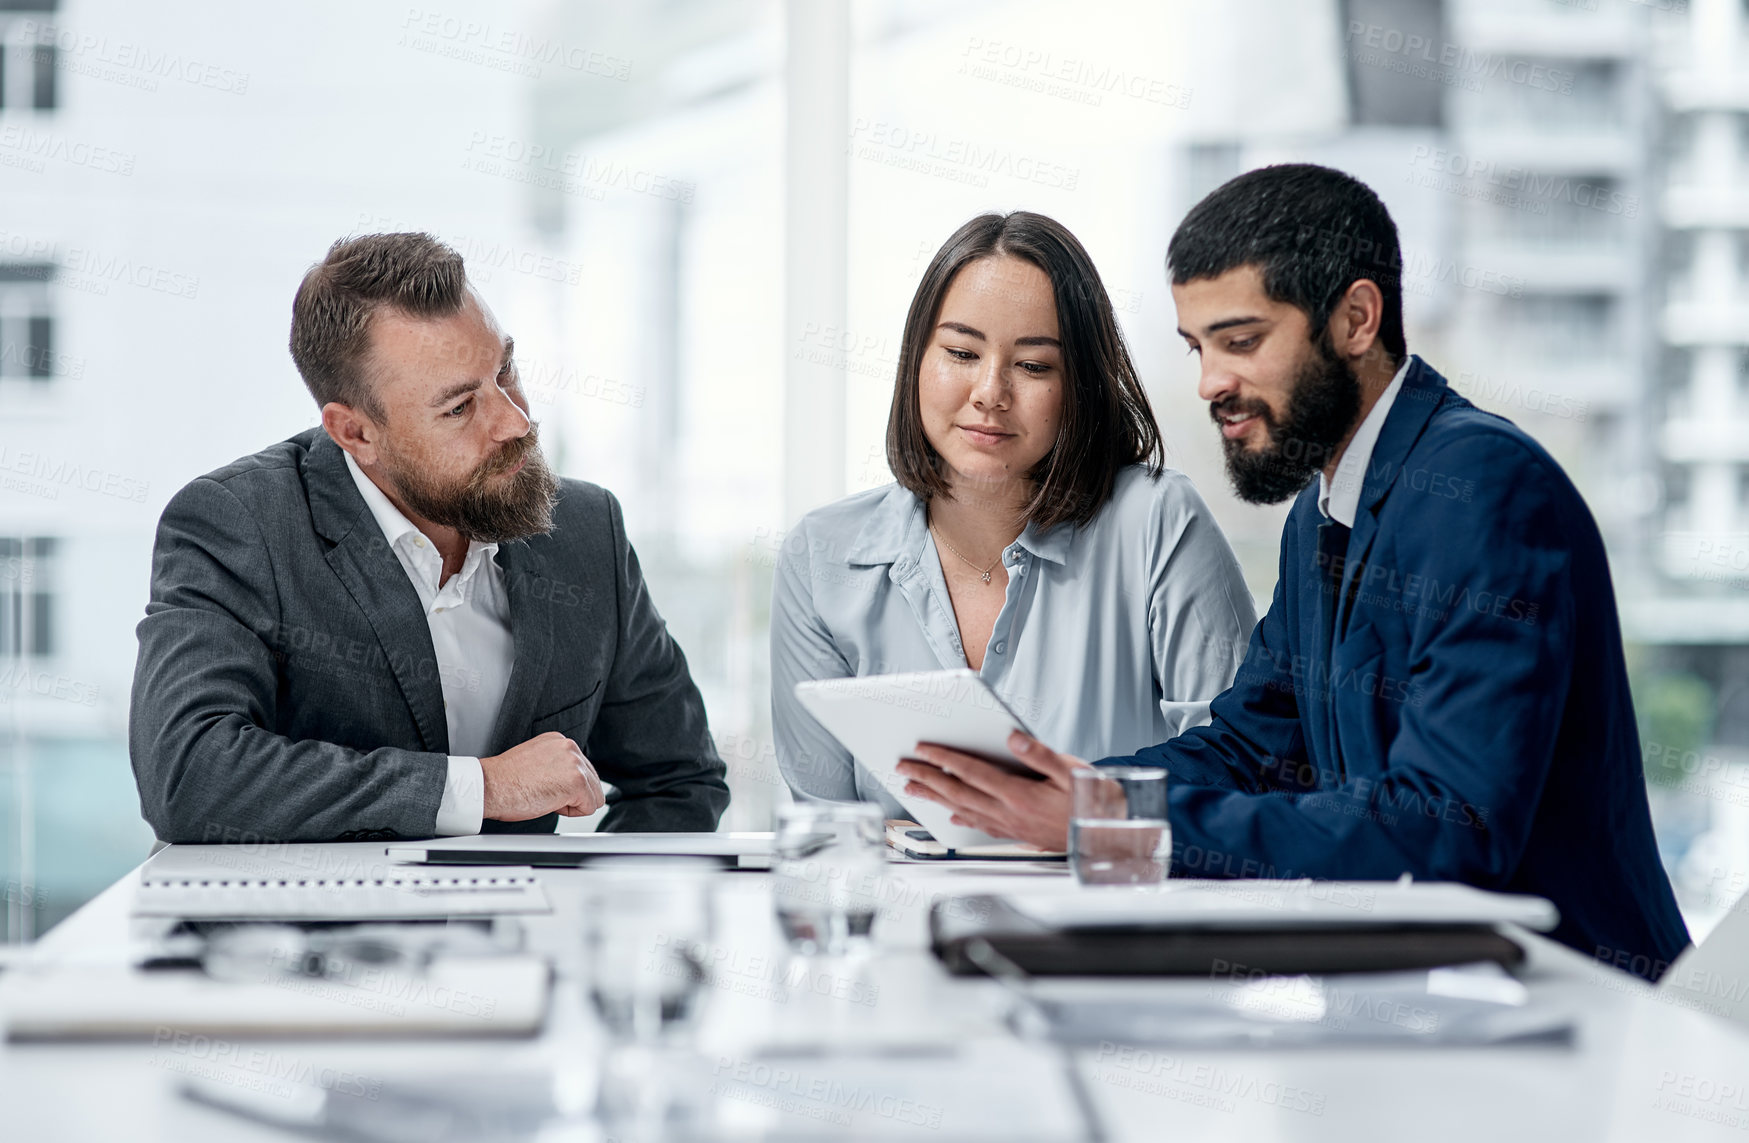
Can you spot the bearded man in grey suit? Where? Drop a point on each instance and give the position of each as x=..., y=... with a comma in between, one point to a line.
x=402, y=624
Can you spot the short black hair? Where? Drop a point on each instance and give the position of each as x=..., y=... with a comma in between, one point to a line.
x=1313, y=231
x=1107, y=423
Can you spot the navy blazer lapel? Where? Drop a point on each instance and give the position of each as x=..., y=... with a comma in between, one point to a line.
x=531, y=640
x=1422, y=392
x=364, y=562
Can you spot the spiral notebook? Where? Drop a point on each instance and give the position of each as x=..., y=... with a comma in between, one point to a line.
x=209, y=883
x=321, y=899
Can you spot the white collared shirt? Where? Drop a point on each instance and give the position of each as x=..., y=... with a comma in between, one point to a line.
x=469, y=618
x=1339, y=499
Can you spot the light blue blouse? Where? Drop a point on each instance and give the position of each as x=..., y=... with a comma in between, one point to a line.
x=1112, y=637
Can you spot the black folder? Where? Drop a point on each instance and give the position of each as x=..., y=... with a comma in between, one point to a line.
x=1161, y=950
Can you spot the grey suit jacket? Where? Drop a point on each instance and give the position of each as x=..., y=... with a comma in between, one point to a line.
x=287, y=687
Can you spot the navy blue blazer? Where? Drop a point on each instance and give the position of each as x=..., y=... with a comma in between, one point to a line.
x=1472, y=722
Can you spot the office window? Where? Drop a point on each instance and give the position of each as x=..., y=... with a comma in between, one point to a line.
x=1516, y=91
x=1678, y=486
x=27, y=63
x=1558, y=210
x=1556, y=327
x=1386, y=86
x=1207, y=166
x=27, y=577
x=27, y=328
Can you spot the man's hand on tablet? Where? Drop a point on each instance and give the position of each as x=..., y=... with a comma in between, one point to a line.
x=989, y=798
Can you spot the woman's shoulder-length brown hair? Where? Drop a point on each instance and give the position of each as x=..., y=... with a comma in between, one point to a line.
x=1106, y=421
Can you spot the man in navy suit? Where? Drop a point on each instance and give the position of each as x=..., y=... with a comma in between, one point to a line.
x=1438, y=687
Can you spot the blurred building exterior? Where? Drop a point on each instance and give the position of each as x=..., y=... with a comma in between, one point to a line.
x=1567, y=177
x=168, y=176
x=1695, y=607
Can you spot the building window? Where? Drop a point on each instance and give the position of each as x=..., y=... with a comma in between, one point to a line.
x=27, y=577
x=28, y=57
x=1557, y=327
x=27, y=328
x=1558, y=210
x=1388, y=87
x=1678, y=485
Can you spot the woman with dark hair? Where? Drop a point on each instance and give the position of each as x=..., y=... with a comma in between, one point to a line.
x=1033, y=533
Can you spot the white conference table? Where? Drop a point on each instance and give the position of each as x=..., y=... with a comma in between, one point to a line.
x=1642, y=1068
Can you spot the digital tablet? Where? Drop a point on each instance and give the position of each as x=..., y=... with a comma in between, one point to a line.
x=880, y=719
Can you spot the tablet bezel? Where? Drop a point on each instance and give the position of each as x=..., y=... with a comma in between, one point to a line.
x=829, y=700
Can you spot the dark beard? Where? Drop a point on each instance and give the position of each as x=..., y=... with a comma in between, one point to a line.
x=518, y=508
x=1323, y=406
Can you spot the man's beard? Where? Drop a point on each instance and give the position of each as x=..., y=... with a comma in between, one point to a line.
x=1323, y=406
x=484, y=506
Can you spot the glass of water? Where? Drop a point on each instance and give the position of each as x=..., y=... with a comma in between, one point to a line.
x=648, y=928
x=830, y=861
x=648, y=925
x=1118, y=830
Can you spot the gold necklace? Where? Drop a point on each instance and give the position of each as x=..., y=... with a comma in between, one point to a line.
x=984, y=572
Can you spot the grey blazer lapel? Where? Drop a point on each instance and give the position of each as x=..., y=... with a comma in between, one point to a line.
x=372, y=573
x=531, y=641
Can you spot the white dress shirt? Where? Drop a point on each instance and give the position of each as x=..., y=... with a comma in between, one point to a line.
x=469, y=618
x=1339, y=499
